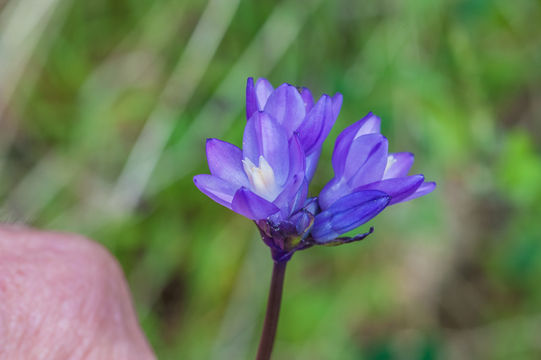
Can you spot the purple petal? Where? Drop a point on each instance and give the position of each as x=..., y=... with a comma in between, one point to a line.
x=292, y=195
x=366, y=160
x=225, y=161
x=398, y=165
x=297, y=158
x=330, y=119
x=348, y=213
x=263, y=136
x=251, y=100
x=286, y=105
x=313, y=154
x=311, y=205
x=336, y=104
x=332, y=191
x=302, y=220
x=311, y=164
x=370, y=124
x=424, y=189
x=251, y=205
x=345, y=139
x=313, y=130
x=397, y=188
x=299, y=199
x=215, y=188
x=308, y=99
x=263, y=89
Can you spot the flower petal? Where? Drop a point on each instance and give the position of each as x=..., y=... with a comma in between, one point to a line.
x=398, y=165
x=292, y=195
x=368, y=125
x=263, y=136
x=424, y=189
x=286, y=105
x=332, y=191
x=366, y=160
x=263, y=89
x=311, y=205
x=215, y=188
x=251, y=100
x=313, y=130
x=311, y=164
x=251, y=205
x=308, y=99
x=336, y=104
x=299, y=199
x=303, y=220
x=397, y=188
x=348, y=213
x=225, y=162
x=314, y=152
x=297, y=157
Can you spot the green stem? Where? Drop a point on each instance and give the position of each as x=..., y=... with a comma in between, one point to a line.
x=273, y=311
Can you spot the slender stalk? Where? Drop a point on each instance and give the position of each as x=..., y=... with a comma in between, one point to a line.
x=273, y=311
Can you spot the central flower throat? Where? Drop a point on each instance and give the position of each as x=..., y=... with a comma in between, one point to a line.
x=261, y=178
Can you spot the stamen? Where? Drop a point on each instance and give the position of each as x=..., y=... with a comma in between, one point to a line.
x=261, y=178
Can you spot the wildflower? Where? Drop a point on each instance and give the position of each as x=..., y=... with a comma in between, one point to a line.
x=267, y=181
x=367, y=179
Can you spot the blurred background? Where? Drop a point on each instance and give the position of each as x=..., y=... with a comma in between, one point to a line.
x=105, y=106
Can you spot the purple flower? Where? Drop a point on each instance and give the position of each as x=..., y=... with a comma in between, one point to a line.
x=267, y=181
x=367, y=179
x=262, y=180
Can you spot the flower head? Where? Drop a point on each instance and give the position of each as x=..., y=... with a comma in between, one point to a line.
x=267, y=181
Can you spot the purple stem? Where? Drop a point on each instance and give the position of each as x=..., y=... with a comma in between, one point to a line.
x=273, y=311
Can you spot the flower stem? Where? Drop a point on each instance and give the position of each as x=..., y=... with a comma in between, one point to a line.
x=273, y=311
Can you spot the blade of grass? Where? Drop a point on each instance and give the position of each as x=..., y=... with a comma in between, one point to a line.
x=24, y=25
x=185, y=78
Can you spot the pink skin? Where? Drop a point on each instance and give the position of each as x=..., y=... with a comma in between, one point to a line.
x=64, y=297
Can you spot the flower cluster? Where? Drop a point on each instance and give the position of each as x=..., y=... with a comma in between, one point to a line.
x=267, y=180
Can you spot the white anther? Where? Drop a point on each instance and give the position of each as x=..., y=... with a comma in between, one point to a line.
x=261, y=178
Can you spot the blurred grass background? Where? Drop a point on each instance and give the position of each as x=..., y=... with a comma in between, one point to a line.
x=105, y=106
